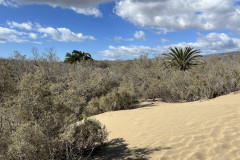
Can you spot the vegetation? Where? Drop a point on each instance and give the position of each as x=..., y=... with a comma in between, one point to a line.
x=182, y=58
x=45, y=104
x=77, y=56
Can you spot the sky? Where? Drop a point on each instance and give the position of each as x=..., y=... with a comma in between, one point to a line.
x=118, y=29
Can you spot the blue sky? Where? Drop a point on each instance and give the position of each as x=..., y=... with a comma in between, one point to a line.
x=118, y=29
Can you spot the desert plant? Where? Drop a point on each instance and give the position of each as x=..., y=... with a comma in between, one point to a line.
x=182, y=58
x=28, y=142
x=82, y=138
x=7, y=81
x=115, y=100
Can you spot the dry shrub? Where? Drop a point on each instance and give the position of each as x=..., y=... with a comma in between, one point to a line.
x=7, y=81
x=115, y=100
x=28, y=142
x=79, y=140
x=44, y=97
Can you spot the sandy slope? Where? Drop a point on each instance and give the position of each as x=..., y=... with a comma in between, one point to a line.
x=204, y=130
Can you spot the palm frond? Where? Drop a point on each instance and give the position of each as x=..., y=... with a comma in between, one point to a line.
x=182, y=57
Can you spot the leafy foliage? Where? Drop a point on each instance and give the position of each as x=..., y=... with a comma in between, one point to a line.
x=77, y=56
x=182, y=58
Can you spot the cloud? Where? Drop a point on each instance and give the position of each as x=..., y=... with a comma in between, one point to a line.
x=33, y=35
x=140, y=35
x=86, y=7
x=130, y=52
x=170, y=15
x=88, y=11
x=164, y=15
x=210, y=43
x=64, y=34
x=164, y=40
x=119, y=38
x=36, y=42
x=214, y=43
x=217, y=43
x=28, y=31
x=27, y=25
x=7, y=3
x=11, y=35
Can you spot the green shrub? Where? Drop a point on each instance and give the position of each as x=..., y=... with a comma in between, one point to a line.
x=115, y=100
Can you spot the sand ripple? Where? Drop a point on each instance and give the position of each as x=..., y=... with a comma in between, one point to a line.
x=202, y=130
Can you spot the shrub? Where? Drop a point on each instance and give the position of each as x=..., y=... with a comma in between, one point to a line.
x=7, y=81
x=80, y=140
x=115, y=100
x=28, y=142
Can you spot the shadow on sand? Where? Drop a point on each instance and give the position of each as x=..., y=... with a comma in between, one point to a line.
x=117, y=149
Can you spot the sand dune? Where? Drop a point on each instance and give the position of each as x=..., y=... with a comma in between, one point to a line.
x=202, y=130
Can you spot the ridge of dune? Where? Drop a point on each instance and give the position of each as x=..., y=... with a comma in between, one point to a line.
x=200, y=130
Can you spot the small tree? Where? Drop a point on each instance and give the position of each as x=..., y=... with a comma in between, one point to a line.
x=182, y=58
x=77, y=56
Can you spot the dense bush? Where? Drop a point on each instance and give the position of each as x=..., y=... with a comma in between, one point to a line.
x=28, y=142
x=41, y=98
x=81, y=139
x=115, y=100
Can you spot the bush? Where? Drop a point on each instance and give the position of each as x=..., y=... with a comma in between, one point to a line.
x=28, y=142
x=115, y=100
x=7, y=81
x=81, y=139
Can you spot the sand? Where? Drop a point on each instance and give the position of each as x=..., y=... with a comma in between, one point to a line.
x=201, y=130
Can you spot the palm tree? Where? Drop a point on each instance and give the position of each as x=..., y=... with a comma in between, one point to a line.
x=182, y=58
x=77, y=56
x=87, y=56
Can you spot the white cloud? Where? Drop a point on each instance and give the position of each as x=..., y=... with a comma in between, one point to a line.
x=36, y=31
x=86, y=7
x=2, y=2
x=11, y=35
x=119, y=38
x=36, y=42
x=33, y=35
x=164, y=15
x=27, y=25
x=163, y=40
x=64, y=34
x=170, y=15
x=130, y=52
x=7, y=3
x=88, y=11
x=140, y=35
x=210, y=43
x=217, y=43
x=214, y=43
